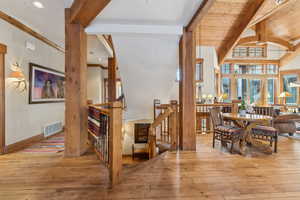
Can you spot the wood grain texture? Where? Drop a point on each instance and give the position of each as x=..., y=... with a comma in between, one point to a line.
x=85, y=11
x=115, y=143
x=252, y=61
x=235, y=33
x=112, y=79
x=76, y=89
x=198, y=16
x=2, y=98
x=287, y=58
x=209, y=174
x=187, y=97
x=30, y=31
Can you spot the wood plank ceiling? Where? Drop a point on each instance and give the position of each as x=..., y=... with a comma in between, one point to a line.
x=218, y=25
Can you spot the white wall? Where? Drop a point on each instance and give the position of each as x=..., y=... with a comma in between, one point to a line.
x=210, y=62
x=148, y=65
x=95, y=85
x=22, y=119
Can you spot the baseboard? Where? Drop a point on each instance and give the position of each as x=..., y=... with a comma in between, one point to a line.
x=27, y=142
x=23, y=143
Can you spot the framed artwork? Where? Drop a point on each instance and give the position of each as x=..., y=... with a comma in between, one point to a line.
x=45, y=85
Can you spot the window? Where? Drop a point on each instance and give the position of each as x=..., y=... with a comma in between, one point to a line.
x=271, y=69
x=251, y=52
x=287, y=79
x=271, y=91
x=198, y=91
x=225, y=68
x=255, y=89
x=242, y=88
x=119, y=90
x=199, y=70
x=248, y=69
x=255, y=69
x=226, y=86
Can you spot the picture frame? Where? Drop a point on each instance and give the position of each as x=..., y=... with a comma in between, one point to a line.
x=46, y=85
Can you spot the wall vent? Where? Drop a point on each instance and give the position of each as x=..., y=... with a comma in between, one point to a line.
x=51, y=129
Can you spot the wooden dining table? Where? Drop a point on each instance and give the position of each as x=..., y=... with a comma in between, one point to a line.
x=246, y=123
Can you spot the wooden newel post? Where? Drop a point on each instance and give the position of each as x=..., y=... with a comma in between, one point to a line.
x=173, y=123
x=115, y=142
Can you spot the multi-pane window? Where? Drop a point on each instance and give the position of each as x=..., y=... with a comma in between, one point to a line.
x=248, y=69
x=255, y=90
x=225, y=68
x=271, y=91
x=271, y=69
x=287, y=79
x=199, y=71
x=242, y=88
x=251, y=52
x=226, y=86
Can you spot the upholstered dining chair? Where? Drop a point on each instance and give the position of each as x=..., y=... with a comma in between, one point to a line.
x=224, y=133
x=266, y=133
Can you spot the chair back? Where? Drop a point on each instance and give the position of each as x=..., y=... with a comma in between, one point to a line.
x=216, y=117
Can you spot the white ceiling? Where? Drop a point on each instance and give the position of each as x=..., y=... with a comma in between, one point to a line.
x=149, y=12
x=48, y=21
x=96, y=50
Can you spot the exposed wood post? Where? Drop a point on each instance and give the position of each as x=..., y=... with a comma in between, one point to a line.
x=76, y=89
x=2, y=100
x=115, y=142
x=187, y=92
x=173, y=123
x=112, y=79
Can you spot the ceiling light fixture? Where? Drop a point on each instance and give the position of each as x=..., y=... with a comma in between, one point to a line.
x=38, y=4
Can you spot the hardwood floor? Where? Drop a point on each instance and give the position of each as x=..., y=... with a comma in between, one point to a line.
x=212, y=174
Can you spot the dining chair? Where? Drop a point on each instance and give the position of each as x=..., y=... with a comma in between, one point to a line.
x=224, y=133
x=266, y=133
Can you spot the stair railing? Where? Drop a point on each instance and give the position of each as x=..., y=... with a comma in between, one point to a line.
x=164, y=129
x=105, y=135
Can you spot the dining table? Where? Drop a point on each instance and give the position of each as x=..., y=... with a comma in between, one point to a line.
x=247, y=122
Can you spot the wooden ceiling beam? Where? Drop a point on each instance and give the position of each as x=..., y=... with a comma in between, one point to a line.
x=30, y=31
x=243, y=24
x=287, y=58
x=272, y=12
x=275, y=40
x=201, y=12
x=251, y=61
x=85, y=11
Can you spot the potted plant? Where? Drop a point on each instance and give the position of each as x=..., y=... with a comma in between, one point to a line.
x=242, y=108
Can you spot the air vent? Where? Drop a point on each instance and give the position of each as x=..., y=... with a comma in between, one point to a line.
x=51, y=129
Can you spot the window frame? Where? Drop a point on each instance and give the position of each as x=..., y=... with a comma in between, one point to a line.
x=248, y=49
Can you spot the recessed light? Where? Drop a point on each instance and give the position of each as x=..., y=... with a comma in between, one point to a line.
x=38, y=4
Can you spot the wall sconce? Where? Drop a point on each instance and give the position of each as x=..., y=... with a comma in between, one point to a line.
x=17, y=77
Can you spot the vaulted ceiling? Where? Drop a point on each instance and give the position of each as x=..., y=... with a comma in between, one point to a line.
x=281, y=23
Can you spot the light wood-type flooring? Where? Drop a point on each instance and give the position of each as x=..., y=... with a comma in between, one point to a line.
x=212, y=174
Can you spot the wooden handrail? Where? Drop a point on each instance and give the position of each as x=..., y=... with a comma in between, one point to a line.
x=161, y=117
x=105, y=134
x=164, y=129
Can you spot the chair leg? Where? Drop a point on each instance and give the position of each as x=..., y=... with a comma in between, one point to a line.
x=214, y=140
x=275, y=145
x=232, y=144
